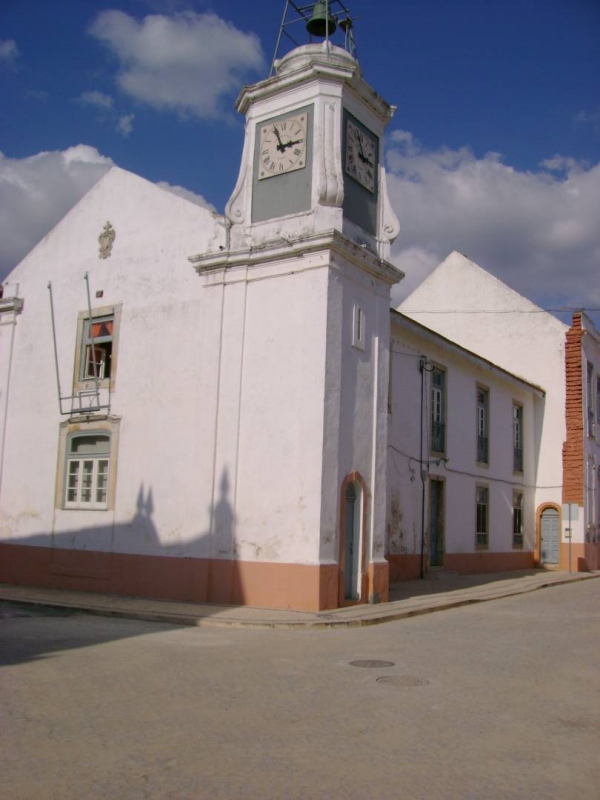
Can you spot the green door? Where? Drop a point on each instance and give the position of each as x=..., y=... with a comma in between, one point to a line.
x=436, y=523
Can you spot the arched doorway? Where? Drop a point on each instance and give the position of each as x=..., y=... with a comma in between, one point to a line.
x=352, y=543
x=550, y=537
x=353, y=578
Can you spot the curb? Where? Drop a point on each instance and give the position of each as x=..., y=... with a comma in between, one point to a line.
x=388, y=615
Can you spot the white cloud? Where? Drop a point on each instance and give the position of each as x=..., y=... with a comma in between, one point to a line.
x=125, y=124
x=589, y=118
x=186, y=62
x=539, y=231
x=9, y=52
x=180, y=191
x=36, y=192
x=96, y=99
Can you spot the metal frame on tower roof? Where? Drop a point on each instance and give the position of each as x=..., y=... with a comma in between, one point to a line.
x=334, y=9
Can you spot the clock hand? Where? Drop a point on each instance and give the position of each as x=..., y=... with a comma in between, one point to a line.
x=291, y=144
x=280, y=146
x=361, y=152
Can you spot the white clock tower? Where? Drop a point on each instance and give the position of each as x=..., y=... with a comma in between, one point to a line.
x=301, y=283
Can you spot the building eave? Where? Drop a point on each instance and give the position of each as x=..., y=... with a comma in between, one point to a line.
x=317, y=69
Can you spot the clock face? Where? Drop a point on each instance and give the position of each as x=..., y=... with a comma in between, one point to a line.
x=282, y=146
x=361, y=156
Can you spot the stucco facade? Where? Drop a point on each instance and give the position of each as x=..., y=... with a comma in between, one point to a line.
x=454, y=419
x=214, y=427
x=240, y=416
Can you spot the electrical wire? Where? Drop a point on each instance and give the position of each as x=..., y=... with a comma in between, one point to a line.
x=564, y=310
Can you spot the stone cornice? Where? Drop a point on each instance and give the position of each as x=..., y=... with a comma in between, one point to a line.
x=318, y=67
x=293, y=248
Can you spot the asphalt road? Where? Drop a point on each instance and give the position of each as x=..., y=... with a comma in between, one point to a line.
x=499, y=700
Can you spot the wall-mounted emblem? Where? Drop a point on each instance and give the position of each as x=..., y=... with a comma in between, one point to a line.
x=105, y=240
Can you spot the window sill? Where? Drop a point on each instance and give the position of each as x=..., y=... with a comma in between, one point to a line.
x=482, y=464
x=84, y=508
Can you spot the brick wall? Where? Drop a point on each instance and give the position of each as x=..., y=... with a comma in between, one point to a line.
x=573, y=461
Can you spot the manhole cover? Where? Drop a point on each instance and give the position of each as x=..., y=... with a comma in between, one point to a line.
x=402, y=680
x=372, y=664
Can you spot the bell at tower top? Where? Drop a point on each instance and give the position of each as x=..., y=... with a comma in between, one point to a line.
x=328, y=22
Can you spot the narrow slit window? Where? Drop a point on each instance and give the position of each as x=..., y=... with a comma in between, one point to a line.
x=358, y=335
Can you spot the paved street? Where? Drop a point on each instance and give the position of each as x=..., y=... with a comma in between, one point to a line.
x=499, y=700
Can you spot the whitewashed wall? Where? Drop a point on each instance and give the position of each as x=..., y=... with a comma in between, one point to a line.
x=463, y=302
x=461, y=472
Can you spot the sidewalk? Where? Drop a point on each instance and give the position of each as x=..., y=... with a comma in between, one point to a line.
x=407, y=599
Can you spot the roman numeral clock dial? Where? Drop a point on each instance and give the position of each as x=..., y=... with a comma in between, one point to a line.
x=282, y=146
x=361, y=156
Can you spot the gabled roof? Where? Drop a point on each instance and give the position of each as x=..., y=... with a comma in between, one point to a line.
x=142, y=214
x=459, y=285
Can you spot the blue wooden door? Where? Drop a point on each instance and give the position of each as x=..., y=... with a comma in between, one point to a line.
x=351, y=544
x=550, y=536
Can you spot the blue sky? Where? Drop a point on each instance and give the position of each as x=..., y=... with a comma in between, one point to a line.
x=494, y=150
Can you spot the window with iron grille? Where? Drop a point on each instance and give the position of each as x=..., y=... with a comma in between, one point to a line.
x=517, y=539
x=517, y=437
x=483, y=398
x=482, y=521
x=438, y=410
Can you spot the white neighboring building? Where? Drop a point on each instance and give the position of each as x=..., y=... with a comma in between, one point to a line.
x=463, y=458
x=466, y=304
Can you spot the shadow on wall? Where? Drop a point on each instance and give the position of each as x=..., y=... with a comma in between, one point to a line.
x=129, y=558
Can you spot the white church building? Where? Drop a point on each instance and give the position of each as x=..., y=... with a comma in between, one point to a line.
x=226, y=409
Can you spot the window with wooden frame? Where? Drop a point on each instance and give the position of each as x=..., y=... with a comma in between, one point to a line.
x=87, y=464
x=96, y=358
x=482, y=518
x=438, y=410
x=517, y=536
x=88, y=470
x=517, y=437
x=97, y=348
x=483, y=405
